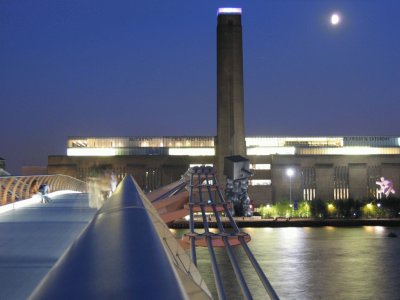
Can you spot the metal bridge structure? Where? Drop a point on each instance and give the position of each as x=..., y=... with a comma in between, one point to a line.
x=124, y=249
x=14, y=188
x=201, y=195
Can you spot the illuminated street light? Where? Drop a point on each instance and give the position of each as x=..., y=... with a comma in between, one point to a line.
x=290, y=173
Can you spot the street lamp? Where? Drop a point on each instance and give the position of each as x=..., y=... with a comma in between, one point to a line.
x=290, y=173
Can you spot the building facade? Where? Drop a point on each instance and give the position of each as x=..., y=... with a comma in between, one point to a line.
x=327, y=168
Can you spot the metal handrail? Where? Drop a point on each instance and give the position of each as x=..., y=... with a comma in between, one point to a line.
x=15, y=188
x=120, y=255
x=206, y=176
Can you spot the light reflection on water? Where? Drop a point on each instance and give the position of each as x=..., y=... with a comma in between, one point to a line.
x=315, y=263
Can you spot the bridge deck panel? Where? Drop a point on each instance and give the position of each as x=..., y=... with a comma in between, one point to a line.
x=32, y=239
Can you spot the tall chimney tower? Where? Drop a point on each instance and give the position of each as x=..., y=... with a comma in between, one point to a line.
x=230, y=108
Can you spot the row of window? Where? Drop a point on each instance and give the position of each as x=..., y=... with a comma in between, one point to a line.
x=140, y=142
x=210, y=151
x=251, y=142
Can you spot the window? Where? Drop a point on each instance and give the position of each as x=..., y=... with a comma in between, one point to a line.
x=260, y=166
x=260, y=182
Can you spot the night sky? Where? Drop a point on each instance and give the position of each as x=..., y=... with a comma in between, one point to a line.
x=148, y=68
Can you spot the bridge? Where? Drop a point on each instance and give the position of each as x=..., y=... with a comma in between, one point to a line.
x=67, y=249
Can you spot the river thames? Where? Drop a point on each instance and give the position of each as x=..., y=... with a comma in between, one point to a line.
x=315, y=263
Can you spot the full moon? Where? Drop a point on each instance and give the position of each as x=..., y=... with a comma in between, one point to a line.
x=335, y=19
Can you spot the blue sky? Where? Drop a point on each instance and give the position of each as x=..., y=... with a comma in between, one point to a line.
x=133, y=68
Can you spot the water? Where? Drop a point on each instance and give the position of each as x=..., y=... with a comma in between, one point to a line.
x=315, y=263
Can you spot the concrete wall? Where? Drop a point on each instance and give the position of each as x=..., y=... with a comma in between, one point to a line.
x=324, y=181
x=358, y=181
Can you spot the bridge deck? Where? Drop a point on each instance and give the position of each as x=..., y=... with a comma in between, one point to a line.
x=32, y=239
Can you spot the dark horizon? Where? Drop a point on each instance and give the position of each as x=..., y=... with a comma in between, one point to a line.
x=149, y=69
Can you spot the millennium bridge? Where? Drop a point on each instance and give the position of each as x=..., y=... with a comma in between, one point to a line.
x=69, y=248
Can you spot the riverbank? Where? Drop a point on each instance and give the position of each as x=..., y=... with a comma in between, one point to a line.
x=283, y=222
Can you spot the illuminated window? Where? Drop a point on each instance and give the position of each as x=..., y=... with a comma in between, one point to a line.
x=348, y=151
x=260, y=182
x=200, y=165
x=341, y=193
x=260, y=166
x=308, y=178
x=374, y=173
x=91, y=152
x=294, y=141
x=308, y=194
x=341, y=183
x=192, y=151
x=78, y=143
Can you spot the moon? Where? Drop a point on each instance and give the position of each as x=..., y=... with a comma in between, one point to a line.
x=335, y=19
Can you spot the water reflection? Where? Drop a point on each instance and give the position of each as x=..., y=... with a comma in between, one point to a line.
x=316, y=263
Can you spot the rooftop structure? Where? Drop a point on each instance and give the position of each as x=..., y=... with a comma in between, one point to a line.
x=260, y=145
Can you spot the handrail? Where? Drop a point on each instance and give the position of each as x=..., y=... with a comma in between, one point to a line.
x=206, y=177
x=15, y=188
x=120, y=255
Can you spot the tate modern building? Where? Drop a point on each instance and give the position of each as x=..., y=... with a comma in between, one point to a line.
x=327, y=168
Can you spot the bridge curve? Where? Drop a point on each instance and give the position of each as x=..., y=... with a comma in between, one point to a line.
x=16, y=188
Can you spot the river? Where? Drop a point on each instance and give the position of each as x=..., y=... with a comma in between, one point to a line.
x=314, y=263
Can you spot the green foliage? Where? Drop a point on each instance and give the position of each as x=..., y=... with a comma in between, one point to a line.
x=384, y=208
x=283, y=209
x=319, y=209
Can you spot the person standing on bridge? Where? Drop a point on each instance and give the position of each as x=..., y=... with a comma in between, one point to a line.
x=44, y=190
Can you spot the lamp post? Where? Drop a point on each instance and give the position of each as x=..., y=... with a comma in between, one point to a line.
x=290, y=173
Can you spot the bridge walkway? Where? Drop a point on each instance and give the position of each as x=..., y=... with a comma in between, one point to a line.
x=32, y=238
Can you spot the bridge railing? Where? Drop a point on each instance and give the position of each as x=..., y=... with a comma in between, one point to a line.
x=15, y=188
x=126, y=252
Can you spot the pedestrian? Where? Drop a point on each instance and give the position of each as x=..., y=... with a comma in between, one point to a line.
x=44, y=190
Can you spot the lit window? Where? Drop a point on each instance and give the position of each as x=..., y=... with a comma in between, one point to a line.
x=260, y=182
x=260, y=166
x=200, y=165
x=308, y=194
x=341, y=193
x=192, y=151
x=91, y=152
x=349, y=151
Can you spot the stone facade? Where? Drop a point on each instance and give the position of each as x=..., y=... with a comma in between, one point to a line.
x=326, y=177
